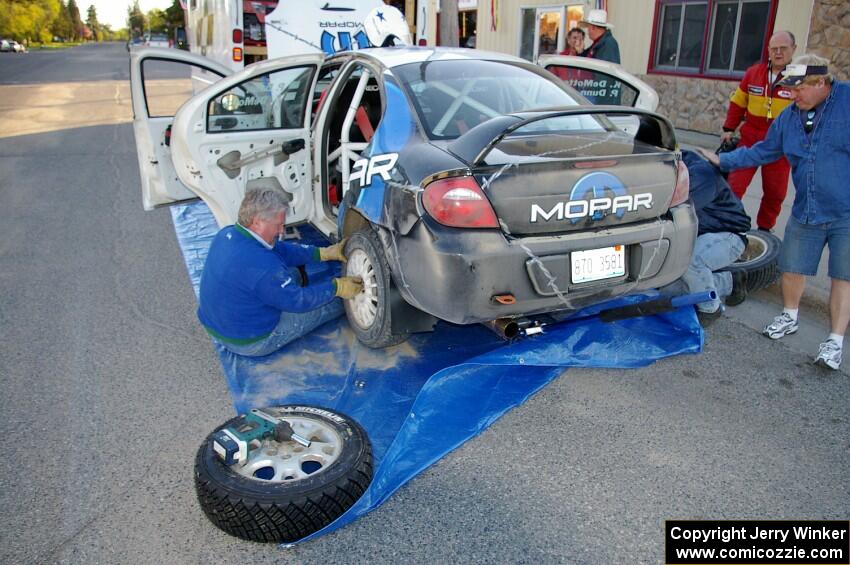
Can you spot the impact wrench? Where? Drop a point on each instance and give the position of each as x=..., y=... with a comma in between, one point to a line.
x=234, y=444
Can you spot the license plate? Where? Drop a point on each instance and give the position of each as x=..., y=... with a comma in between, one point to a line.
x=598, y=264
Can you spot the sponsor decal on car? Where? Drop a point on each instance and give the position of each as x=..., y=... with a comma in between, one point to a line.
x=595, y=195
x=365, y=169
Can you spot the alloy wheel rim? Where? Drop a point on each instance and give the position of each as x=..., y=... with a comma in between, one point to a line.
x=364, y=306
x=286, y=462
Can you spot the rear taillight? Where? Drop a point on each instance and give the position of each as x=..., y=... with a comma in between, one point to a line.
x=459, y=203
x=237, y=35
x=683, y=185
x=237, y=54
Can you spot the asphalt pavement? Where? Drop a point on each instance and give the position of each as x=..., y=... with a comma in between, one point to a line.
x=108, y=385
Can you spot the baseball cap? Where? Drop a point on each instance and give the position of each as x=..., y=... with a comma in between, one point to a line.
x=795, y=74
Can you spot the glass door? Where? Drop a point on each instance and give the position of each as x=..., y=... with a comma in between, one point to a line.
x=543, y=29
x=549, y=38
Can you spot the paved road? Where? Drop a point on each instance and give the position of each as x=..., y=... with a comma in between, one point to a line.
x=108, y=385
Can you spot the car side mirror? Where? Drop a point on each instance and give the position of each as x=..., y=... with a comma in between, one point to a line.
x=231, y=102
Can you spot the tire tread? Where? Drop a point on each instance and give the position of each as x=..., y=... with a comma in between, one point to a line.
x=264, y=519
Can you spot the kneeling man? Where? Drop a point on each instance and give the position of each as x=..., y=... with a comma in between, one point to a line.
x=252, y=300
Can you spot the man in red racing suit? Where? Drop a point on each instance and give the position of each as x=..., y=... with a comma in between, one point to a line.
x=757, y=101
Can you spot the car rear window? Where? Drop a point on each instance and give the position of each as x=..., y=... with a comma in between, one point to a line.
x=452, y=97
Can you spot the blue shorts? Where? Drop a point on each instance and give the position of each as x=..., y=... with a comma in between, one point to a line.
x=803, y=246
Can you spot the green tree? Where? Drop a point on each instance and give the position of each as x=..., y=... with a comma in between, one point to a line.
x=76, y=22
x=94, y=25
x=174, y=15
x=61, y=25
x=135, y=20
x=28, y=21
x=157, y=21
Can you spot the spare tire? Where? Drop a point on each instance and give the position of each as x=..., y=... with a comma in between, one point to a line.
x=760, y=260
x=285, y=491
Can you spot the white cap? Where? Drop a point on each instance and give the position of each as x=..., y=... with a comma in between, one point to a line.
x=598, y=18
x=385, y=26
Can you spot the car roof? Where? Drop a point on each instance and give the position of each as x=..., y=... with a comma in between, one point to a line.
x=391, y=57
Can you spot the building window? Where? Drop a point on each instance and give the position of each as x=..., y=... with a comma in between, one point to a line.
x=710, y=37
x=543, y=29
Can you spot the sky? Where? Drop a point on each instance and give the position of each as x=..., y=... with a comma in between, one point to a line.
x=114, y=12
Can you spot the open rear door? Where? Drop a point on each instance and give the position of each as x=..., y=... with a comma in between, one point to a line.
x=250, y=130
x=161, y=80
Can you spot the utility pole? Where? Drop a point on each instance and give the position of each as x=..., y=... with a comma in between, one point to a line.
x=448, y=23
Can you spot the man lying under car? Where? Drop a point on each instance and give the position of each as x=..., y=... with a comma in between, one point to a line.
x=720, y=240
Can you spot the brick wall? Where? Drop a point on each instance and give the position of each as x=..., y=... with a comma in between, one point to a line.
x=830, y=35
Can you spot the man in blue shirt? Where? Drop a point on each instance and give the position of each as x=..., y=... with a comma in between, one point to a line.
x=720, y=240
x=814, y=134
x=251, y=298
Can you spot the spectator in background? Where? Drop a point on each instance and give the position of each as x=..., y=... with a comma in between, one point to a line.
x=604, y=46
x=575, y=42
x=756, y=102
x=814, y=134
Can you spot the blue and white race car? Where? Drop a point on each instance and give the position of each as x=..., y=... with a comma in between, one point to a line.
x=471, y=186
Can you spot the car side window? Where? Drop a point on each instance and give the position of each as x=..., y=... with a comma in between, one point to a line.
x=274, y=100
x=326, y=77
x=596, y=86
x=168, y=84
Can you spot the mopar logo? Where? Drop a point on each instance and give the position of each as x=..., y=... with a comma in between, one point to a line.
x=595, y=195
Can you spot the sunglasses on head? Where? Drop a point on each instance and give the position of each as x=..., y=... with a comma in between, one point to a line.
x=810, y=121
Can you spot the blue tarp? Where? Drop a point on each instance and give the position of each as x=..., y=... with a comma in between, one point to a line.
x=421, y=399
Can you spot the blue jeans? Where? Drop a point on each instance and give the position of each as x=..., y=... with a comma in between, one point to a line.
x=290, y=327
x=712, y=251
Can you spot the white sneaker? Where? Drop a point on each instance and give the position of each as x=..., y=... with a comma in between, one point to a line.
x=829, y=355
x=781, y=326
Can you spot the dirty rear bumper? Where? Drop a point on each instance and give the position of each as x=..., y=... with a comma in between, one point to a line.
x=454, y=273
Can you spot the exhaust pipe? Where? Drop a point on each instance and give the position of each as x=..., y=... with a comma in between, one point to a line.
x=505, y=328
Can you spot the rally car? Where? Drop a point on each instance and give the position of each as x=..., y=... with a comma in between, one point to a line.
x=471, y=186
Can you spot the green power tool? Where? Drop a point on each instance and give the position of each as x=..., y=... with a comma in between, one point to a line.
x=234, y=444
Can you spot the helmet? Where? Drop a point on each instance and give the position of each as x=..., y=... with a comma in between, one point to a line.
x=385, y=26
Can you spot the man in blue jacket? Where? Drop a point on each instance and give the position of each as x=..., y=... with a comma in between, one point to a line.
x=251, y=298
x=814, y=134
x=720, y=239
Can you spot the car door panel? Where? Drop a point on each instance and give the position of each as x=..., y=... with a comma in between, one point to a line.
x=250, y=130
x=602, y=82
x=161, y=80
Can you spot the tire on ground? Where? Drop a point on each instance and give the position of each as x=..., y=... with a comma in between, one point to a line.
x=379, y=332
x=760, y=260
x=261, y=510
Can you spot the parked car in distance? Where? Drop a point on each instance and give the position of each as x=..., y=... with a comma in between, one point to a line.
x=157, y=40
x=5, y=46
x=472, y=186
x=135, y=42
x=17, y=47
